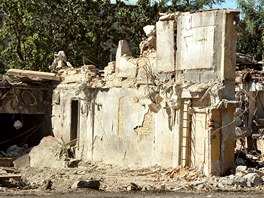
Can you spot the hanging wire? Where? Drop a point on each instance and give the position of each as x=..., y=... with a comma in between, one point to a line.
x=35, y=128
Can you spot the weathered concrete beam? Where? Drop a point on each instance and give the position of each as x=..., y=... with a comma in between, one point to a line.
x=33, y=74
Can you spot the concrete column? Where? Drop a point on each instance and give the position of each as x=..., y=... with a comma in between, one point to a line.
x=228, y=65
x=213, y=142
x=165, y=46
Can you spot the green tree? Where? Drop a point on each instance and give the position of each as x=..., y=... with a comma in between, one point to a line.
x=251, y=28
x=32, y=30
x=87, y=30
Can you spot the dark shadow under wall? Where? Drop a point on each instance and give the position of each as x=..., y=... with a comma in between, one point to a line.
x=34, y=128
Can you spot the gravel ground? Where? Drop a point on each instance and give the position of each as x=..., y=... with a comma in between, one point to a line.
x=124, y=182
x=103, y=194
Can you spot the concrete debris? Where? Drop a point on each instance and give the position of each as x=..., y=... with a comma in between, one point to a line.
x=33, y=75
x=92, y=184
x=73, y=163
x=242, y=169
x=132, y=187
x=150, y=30
x=253, y=179
x=60, y=62
x=47, y=185
x=15, y=151
x=49, y=148
x=123, y=49
x=22, y=161
x=109, y=69
x=113, y=178
x=167, y=17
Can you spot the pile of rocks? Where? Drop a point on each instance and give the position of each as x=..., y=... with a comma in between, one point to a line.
x=245, y=176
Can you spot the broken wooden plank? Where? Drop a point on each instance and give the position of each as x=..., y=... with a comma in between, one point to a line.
x=71, y=143
x=6, y=162
x=33, y=74
x=9, y=176
x=9, y=169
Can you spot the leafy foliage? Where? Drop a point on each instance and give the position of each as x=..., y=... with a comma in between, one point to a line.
x=87, y=30
x=251, y=30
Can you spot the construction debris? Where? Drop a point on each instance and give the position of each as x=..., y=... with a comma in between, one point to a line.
x=15, y=151
x=92, y=184
x=160, y=110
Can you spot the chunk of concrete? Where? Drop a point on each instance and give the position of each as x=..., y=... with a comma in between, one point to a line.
x=126, y=65
x=235, y=179
x=92, y=184
x=23, y=161
x=150, y=30
x=253, y=179
x=241, y=169
x=49, y=153
x=168, y=17
x=123, y=49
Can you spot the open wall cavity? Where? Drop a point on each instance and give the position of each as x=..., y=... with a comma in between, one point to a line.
x=20, y=129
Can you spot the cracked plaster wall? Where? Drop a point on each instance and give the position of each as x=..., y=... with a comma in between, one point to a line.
x=116, y=124
x=117, y=127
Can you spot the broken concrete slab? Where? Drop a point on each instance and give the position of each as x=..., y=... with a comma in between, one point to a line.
x=23, y=161
x=150, y=30
x=36, y=75
x=92, y=184
x=49, y=153
x=126, y=65
x=253, y=179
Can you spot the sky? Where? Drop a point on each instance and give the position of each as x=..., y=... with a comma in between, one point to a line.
x=231, y=4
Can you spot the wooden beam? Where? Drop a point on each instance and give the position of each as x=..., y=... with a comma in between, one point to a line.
x=37, y=75
x=8, y=176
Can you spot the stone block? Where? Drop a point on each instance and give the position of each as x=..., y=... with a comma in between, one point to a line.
x=125, y=64
x=49, y=153
x=165, y=46
x=92, y=184
x=253, y=179
x=150, y=30
x=23, y=161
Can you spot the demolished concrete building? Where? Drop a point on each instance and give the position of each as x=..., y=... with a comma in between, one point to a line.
x=184, y=102
x=174, y=105
x=25, y=98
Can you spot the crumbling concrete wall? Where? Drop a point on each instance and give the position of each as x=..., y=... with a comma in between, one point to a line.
x=203, y=52
x=25, y=99
x=116, y=126
x=249, y=120
x=171, y=106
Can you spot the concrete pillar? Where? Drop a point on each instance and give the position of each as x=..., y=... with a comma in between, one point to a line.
x=126, y=66
x=165, y=46
x=213, y=141
x=228, y=65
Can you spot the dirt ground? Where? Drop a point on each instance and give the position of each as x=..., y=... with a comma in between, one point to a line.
x=122, y=183
x=103, y=194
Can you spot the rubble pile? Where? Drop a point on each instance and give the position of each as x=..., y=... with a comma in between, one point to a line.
x=115, y=179
x=49, y=167
x=15, y=151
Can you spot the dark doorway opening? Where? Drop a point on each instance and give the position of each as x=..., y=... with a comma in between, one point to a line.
x=33, y=128
x=74, y=119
